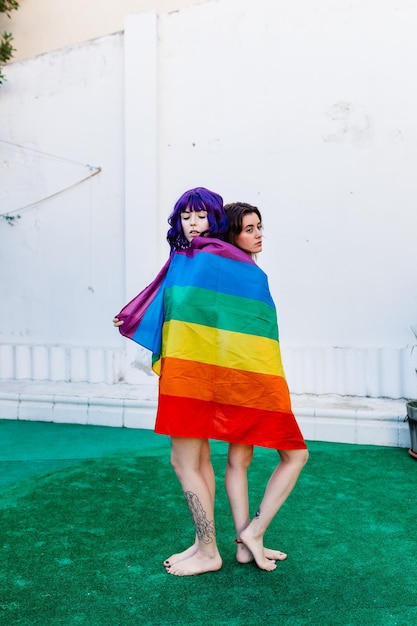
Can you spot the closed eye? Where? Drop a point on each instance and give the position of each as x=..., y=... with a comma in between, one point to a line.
x=187, y=215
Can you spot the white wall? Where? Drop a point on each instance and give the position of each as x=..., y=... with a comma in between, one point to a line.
x=47, y=25
x=61, y=263
x=304, y=109
x=310, y=114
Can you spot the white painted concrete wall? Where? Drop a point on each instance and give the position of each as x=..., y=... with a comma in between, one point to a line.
x=47, y=25
x=308, y=113
x=61, y=263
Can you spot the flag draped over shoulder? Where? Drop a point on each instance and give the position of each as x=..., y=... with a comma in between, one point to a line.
x=211, y=324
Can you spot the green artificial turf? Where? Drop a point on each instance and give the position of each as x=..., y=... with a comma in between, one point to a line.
x=88, y=514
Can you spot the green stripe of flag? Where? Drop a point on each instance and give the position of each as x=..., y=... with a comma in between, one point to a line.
x=219, y=310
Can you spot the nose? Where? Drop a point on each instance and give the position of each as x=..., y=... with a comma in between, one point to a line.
x=193, y=218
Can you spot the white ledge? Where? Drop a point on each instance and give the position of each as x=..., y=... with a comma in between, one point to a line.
x=345, y=419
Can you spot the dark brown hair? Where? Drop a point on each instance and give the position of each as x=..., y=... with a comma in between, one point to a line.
x=235, y=212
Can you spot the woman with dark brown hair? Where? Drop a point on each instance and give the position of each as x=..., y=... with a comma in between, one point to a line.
x=280, y=431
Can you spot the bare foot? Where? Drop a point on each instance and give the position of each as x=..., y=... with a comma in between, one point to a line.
x=255, y=545
x=275, y=555
x=244, y=555
x=198, y=563
x=181, y=556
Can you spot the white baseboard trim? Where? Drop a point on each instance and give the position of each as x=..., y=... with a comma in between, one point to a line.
x=352, y=419
x=343, y=419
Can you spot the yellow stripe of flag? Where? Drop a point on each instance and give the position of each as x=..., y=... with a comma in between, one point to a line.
x=226, y=348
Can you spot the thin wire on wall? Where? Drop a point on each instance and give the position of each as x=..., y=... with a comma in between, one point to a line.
x=93, y=171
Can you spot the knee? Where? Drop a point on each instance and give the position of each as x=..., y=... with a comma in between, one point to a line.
x=294, y=457
x=179, y=465
x=239, y=457
x=304, y=456
x=175, y=463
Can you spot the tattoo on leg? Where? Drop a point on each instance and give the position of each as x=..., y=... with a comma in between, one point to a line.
x=257, y=514
x=204, y=528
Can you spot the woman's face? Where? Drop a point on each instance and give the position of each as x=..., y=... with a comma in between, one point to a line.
x=250, y=237
x=194, y=223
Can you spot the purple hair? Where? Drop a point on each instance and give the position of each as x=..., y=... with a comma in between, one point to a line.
x=198, y=199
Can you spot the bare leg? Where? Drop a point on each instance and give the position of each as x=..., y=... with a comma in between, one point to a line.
x=207, y=472
x=186, y=461
x=238, y=460
x=277, y=491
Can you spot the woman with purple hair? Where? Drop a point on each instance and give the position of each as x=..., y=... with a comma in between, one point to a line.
x=207, y=209
x=197, y=213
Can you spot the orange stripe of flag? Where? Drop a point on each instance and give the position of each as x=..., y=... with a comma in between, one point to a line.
x=212, y=383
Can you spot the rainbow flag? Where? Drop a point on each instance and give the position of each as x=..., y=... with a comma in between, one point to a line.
x=211, y=324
